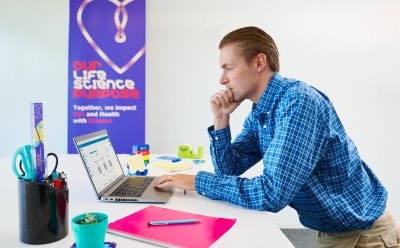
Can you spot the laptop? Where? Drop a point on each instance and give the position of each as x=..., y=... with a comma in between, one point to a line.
x=107, y=176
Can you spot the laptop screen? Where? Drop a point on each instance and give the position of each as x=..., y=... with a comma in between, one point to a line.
x=100, y=159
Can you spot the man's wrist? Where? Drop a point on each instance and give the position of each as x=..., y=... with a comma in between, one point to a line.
x=220, y=123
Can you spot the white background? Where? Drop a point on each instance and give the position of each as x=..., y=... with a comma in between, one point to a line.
x=348, y=49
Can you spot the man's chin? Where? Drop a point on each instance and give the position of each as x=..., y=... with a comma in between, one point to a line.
x=237, y=98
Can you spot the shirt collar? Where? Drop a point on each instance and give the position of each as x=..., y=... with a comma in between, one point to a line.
x=267, y=99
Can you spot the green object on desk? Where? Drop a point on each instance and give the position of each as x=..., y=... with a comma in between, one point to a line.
x=186, y=151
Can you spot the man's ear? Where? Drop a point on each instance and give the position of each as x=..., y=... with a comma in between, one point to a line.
x=261, y=62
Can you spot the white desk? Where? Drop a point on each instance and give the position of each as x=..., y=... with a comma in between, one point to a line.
x=252, y=229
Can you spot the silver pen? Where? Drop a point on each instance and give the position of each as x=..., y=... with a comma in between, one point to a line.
x=172, y=222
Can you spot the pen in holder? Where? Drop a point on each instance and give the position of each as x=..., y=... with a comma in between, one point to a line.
x=43, y=212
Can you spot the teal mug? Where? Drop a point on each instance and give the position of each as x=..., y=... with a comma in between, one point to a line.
x=26, y=166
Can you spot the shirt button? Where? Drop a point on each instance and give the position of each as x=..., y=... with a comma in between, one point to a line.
x=265, y=126
x=268, y=113
x=216, y=138
x=203, y=193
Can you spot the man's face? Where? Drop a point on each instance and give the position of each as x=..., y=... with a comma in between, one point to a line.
x=237, y=75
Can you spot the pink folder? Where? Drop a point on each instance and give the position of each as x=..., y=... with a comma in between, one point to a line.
x=202, y=234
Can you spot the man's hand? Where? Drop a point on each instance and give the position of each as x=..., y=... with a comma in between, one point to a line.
x=181, y=181
x=222, y=105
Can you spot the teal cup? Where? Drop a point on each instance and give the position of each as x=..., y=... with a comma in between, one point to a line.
x=90, y=235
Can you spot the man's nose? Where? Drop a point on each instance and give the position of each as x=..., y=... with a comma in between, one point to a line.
x=223, y=80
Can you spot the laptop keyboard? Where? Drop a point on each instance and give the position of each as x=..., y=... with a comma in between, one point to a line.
x=133, y=186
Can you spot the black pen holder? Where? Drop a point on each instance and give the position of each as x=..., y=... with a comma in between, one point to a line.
x=43, y=212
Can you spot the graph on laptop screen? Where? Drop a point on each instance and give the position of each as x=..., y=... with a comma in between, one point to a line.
x=99, y=157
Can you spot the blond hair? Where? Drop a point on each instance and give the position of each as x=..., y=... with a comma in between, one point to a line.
x=253, y=41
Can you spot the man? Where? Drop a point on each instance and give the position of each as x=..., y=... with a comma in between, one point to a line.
x=309, y=161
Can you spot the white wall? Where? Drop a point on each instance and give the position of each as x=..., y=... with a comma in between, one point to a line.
x=348, y=49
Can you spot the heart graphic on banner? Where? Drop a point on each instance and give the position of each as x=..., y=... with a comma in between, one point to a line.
x=119, y=37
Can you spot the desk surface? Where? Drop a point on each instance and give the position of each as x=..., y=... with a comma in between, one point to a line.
x=252, y=229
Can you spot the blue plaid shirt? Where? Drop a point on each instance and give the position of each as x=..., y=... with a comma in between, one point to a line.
x=309, y=162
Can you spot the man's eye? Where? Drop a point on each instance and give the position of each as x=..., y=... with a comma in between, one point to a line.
x=229, y=68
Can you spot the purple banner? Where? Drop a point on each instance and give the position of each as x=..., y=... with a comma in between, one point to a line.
x=106, y=71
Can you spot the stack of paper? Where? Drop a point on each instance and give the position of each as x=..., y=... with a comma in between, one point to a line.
x=171, y=166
